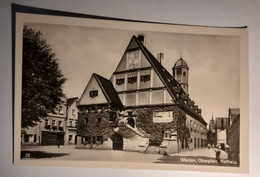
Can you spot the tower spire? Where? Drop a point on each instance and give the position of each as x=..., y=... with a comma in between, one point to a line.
x=180, y=72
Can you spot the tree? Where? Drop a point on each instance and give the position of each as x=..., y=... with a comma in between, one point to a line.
x=42, y=79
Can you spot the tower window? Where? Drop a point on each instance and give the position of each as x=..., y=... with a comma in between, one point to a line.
x=178, y=71
x=184, y=73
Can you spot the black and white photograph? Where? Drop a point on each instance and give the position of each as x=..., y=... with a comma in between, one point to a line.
x=159, y=95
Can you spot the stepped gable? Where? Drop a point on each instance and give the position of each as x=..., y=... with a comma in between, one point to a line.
x=108, y=90
x=169, y=81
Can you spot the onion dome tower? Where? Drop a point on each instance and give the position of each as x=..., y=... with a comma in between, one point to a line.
x=180, y=72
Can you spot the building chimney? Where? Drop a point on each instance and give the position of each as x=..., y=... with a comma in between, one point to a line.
x=141, y=38
x=160, y=56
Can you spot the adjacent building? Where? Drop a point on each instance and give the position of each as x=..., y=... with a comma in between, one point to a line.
x=233, y=133
x=212, y=136
x=221, y=131
x=55, y=128
x=71, y=122
x=141, y=105
x=225, y=132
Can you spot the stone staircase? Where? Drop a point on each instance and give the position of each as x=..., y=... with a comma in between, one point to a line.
x=152, y=150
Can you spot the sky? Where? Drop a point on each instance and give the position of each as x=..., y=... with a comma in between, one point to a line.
x=213, y=60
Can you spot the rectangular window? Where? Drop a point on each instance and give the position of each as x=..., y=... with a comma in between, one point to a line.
x=145, y=78
x=53, y=122
x=93, y=93
x=70, y=123
x=178, y=71
x=35, y=138
x=46, y=122
x=132, y=79
x=120, y=81
x=73, y=112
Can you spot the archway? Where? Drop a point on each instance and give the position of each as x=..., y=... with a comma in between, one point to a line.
x=131, y=122
x=117, y=142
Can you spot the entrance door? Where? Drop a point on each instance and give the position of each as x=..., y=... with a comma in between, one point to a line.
x=117, y=142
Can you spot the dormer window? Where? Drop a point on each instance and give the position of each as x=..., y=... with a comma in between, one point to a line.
x=120, y=81
x=145, y=78
x=93, y=93
x=132, y=79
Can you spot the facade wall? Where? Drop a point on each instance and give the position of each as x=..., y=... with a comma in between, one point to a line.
x=49, y=125
x=144, y=61
x=221, y=122
x=31, y=136
x=122, y=64
x=120, y=86
x=93, y=86
x=221, y=136
x=71, y=124
x=198, y=133
x=144, y=98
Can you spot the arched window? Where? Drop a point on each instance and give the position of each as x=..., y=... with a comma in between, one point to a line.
x=131, y=122
x=184, y=73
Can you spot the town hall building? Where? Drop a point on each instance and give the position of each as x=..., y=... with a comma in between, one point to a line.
x=140, y=106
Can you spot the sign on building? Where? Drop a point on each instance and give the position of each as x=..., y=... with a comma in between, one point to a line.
x=162, y=116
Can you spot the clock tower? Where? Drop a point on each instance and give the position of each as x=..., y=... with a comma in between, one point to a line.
x=181, y=73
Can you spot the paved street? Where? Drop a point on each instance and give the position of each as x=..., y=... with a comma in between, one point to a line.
x=98, y=155
x=205, y=152
x=70, y=153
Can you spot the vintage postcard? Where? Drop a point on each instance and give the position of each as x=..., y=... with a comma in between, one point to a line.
x=106, y=93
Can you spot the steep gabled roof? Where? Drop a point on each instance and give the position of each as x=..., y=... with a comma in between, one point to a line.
x=168, y=80
x=108, y=90
x=70, y=101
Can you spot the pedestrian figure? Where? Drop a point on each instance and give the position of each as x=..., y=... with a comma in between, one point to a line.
x=218, y=156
